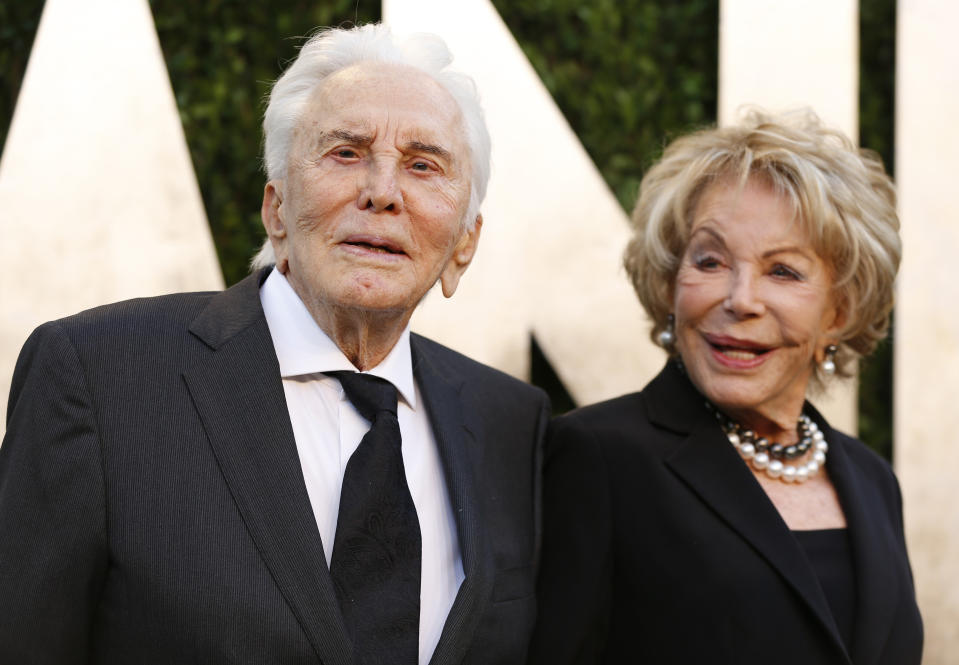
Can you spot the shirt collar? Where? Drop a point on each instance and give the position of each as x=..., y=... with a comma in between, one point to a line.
x=302, y=347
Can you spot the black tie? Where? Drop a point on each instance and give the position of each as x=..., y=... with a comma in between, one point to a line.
x=377, y=549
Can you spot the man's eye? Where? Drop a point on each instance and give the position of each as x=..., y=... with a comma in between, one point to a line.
x=420, y=166
x=346, y=153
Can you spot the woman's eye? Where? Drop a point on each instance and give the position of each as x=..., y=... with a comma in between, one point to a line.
x=779, y=270
x=707, y=263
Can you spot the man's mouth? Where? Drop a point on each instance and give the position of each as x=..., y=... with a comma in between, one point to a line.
x=378, y=245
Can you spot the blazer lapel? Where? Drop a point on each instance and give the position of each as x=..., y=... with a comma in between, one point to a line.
x=872, y=540
x=457, y=435
x=712, y=468
x=239, y=396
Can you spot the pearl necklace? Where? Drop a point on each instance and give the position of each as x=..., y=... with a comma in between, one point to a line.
x=767, y=456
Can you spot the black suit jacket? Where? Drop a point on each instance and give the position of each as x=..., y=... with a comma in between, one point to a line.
x=661, y=547
x=153, y=509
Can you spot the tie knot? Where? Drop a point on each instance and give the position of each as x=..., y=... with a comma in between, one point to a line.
x=369, y=394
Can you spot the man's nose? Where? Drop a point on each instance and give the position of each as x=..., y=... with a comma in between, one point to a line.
x=744, y=298
x=381, y=192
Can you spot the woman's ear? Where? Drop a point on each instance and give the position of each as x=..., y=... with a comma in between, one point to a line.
x=838, y=317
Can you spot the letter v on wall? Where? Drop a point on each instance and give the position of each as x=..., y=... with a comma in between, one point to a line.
x=98, y=194
x=549, y=259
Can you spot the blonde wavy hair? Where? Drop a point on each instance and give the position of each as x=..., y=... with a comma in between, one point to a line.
x=842, y=196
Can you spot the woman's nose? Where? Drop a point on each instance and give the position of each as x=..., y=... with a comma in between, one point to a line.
x=744, y=298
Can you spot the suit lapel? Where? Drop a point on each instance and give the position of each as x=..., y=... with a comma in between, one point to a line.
x=872, y=540
x=712, y=469
x=239, y=396
x=457, y=435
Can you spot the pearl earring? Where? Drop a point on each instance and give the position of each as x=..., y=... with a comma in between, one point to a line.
x=828, y=365
x=667, y=337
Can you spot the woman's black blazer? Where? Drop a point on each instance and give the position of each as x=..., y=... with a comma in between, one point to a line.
x=661, y=547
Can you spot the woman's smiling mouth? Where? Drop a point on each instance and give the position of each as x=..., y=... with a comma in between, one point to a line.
x=735, y=352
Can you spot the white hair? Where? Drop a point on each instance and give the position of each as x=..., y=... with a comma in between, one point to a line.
x=333, y=49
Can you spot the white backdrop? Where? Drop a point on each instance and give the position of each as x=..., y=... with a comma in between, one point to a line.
x=100, y=203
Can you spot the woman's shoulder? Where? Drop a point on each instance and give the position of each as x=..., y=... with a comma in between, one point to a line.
x=602, y=413
x=863, y=458
x=592, y=447
x=854, y=464
x=604, y=422
x=618, y=430
x=869, y=464
x=860, y=451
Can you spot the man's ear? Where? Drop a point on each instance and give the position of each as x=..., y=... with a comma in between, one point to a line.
x=461, y=258
x=271, y=213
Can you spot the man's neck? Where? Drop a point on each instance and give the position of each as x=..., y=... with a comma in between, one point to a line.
x=365, y=338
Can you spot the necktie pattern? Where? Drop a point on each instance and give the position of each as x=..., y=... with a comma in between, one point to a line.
x=377, y=550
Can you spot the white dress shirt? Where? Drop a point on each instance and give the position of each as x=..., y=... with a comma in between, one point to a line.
x=328, y=429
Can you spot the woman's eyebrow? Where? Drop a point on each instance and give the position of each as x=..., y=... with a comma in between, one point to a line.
x=787, y=249
x=713, y=233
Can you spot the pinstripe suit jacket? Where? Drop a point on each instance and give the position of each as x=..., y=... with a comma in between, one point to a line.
x=153, y=510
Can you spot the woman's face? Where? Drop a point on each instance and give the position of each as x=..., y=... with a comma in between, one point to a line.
x=753, y=305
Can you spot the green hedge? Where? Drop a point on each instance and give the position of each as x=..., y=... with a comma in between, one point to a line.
x=222, y=57
x=628, y=74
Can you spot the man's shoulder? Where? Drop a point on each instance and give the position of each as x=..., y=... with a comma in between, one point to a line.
x=112, y=340
x=155, y=326
x=455, y=364
x=175, y=309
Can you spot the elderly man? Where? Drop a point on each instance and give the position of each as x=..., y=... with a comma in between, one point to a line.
x=282, y=472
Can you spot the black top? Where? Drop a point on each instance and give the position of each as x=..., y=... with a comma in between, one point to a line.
x=831, y=557
x=660, y=547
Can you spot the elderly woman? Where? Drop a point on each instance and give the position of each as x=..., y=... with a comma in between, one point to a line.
x=716, y=517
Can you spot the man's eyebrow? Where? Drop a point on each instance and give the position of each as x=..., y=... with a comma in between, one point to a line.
x=430, y=148
x=346, y=136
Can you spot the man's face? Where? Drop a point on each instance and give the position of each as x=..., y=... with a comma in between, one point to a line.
x=370, y=214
